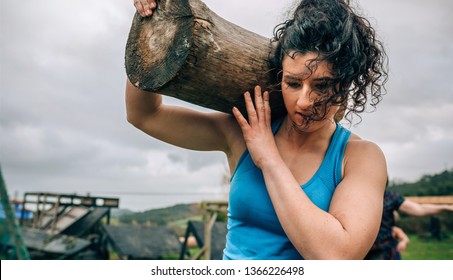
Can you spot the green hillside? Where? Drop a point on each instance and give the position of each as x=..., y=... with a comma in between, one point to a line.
x=162, y=216
x=437, y=184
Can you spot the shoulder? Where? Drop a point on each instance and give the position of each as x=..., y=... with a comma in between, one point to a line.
x=364, y=158
x=393, y=197
x=358, y=149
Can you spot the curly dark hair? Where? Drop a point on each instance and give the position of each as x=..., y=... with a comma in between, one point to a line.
x=347, y=41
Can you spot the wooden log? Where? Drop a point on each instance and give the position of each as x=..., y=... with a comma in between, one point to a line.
x=185, y=50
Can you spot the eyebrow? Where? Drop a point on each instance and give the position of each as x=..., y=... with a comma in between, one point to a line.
x=324, y=79
x=291, y=77
x=299, y=77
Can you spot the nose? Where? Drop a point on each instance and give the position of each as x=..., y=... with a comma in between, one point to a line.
x=305, y=99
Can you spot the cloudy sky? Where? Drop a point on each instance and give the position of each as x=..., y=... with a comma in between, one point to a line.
x=62, y=116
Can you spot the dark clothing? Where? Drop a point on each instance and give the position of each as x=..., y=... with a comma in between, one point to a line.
x=434, y=227
x=384, y=248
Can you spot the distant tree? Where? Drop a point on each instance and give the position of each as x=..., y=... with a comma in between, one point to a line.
x=427, y=185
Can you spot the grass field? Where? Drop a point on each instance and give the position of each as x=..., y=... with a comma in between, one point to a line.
x=428, y=249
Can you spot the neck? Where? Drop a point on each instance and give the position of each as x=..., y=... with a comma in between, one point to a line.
x=317, y=132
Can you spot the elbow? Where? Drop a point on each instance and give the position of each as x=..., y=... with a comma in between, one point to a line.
x=140, y=118
x=336, y=256
x=140, y=108
x=346, y=254
x=136, y=110
x=134, y=120
x=337, y=252
x=132, y=115
x=349, y=248
x=135, y=115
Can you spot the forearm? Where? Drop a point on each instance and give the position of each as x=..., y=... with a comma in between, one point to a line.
x=315, y=233
x=432, y=209
x=140, y=104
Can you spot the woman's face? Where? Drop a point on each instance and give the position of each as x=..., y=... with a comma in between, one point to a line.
x=303, y=84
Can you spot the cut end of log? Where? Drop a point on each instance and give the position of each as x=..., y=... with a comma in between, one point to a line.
x=158, y=46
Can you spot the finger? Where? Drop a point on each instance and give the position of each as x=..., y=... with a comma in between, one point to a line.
x=240, y=119
x=251, y=112
x=259, y=103
x=147, y=7
x=140, y=9
x=267, y=108
x=152, y=5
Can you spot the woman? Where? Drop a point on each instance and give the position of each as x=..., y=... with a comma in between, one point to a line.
x=302, y=186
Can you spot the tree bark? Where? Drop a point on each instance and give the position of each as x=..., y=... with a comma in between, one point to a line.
x=185, y=50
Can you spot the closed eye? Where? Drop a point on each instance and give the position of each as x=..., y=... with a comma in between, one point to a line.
x=293, y=84
x=322, y=86
x=323, y=89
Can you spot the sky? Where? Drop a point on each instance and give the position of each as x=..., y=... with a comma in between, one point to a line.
x=63, y=124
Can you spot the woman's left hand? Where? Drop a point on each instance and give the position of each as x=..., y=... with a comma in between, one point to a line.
x=257, y=130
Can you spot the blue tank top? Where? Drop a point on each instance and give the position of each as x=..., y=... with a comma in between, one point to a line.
x=254, y=231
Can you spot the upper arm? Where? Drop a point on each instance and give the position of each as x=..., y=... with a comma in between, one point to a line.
x=188, y=128
x=179, y=126
x=358, y=200
x=411, y=208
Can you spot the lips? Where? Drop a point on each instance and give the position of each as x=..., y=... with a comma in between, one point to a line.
x=300, y=118
x=305, y=114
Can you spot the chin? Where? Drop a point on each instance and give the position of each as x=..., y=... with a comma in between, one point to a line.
x=302, y=125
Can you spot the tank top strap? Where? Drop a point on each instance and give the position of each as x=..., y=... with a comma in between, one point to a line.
x=334, y=156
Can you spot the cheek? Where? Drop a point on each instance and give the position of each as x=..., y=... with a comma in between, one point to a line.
x=289, y=98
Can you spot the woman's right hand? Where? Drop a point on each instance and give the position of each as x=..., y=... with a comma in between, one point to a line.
x=145, y=7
